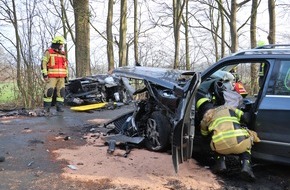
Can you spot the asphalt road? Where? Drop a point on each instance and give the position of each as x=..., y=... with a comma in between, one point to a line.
x=27, y=162
x=26, y=144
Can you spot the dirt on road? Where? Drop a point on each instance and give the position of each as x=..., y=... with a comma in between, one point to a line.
x=67, y=152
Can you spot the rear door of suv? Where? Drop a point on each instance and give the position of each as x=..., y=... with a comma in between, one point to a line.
x=272, y=122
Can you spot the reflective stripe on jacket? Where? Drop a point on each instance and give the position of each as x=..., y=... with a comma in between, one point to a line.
x=54, y=64
x=223, y=123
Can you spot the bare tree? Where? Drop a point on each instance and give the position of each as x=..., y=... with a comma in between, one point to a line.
x=231, y=16
x=177, y=16
x=67, y=27
x=110, y=43
x=186, y=23
x=272, y=22
x=27, y=79
x=215, y=27
x=233, y=26
x=123, y=31
x=18, y=47
x=82, y=50
x=136, y=31
x=253, y=30
x=221, y=13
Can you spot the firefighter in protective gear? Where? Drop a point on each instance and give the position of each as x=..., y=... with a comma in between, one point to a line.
x=223, y=123
x=54, y=69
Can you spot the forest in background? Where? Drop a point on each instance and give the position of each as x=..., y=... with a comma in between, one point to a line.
x=103, y=34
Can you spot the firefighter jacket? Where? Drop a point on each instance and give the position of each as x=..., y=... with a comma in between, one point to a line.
x=239, y=87
x=227, y=134
x=54, y=64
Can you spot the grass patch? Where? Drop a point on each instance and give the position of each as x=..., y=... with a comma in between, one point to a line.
x=7, y=92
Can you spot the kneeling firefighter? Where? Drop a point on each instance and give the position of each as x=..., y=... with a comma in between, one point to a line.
x=54, y=69
x=224, y=124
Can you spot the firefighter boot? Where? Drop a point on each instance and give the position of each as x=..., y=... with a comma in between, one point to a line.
x=59, y=106
x=46, y=106
x=246, y=171
x=220, y=165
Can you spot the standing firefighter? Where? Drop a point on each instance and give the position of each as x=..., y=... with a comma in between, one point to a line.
x=55, y=71
x=228, y=137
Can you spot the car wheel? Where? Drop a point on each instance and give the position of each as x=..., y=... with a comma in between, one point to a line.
x=157, y=132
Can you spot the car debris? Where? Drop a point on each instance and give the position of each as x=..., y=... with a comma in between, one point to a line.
x=112, y=146
x=66, y=138
x=102, y=91
x=30, y=163
x=127, y=149
x=96, y=89
x=72, y=167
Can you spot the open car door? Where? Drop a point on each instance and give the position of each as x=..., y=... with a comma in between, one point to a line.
x=183, y=129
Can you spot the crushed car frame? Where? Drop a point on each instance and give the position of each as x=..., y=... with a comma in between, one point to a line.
x=162, y=114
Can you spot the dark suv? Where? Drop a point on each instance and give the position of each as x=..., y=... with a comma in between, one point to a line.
x=270, y=105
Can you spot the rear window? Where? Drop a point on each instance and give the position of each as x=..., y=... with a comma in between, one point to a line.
x=281, y=80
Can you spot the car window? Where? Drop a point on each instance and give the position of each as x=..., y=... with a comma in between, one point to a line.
x=282, y=80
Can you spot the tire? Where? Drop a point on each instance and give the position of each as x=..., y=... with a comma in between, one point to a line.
x=158, y=130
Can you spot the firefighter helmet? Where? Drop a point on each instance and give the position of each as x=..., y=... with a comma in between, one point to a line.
x=58, y=40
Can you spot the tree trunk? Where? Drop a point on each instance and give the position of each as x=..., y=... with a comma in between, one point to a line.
x=19, y=77
x=233, y=27
x=64, y=22
x=176, y=28
x=110, y=43
x=221, y=12
x=82, y=50
x=177, y=15
x=187, y=39
x=214, y=27
x=272, y=22
x=136, y=36
x=253, y=29
x=123, y=32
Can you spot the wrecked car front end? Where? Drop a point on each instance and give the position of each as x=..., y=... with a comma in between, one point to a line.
x=162, y=112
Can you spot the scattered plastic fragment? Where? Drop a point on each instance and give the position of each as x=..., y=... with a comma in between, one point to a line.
x=30, y=163
x=72, y=167
x=67, y=138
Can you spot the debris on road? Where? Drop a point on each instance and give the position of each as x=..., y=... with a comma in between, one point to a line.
x=2, y=158
x=30, y=163
x=67, y=138
x=72, y=167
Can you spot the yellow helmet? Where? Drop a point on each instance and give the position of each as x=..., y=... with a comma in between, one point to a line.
x=201, y=101
x=58, y=40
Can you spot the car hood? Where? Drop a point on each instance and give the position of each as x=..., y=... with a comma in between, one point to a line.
x=165, y=77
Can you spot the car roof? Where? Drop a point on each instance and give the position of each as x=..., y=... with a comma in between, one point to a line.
x=271, y=49
x=259, y=54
